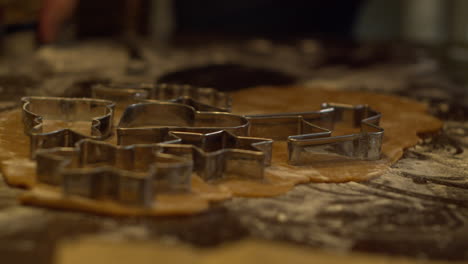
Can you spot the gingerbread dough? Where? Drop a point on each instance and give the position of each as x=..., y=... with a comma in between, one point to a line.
x=403, y=120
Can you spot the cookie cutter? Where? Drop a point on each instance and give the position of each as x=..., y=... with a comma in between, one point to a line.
x=207, y=99
x=204, y=95
x=139, y=120
x=217, y=141
x=130, y=175
x=219, y=154
x=36, y=110
x=310, y=133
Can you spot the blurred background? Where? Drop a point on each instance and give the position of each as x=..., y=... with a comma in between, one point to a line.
x=423, y=21
x=428, y=22
x=56, y=44
x=441, y=25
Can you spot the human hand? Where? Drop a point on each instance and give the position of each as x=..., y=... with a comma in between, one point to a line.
x=53, y=14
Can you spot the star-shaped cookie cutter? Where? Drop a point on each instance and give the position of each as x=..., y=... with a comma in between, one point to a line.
x=99, y=113
x=310, y=133
x=215, y=139
x=219, y=154
x=130, y=175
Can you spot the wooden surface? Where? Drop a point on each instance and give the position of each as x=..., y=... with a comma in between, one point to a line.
x=417, y=210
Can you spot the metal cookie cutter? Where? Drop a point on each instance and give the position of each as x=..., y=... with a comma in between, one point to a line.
x=130, y=175
x=209, y=136
x=309, y=133
x=36, y=110
x=139, y=120
x=206, y=99
x=219, y=154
